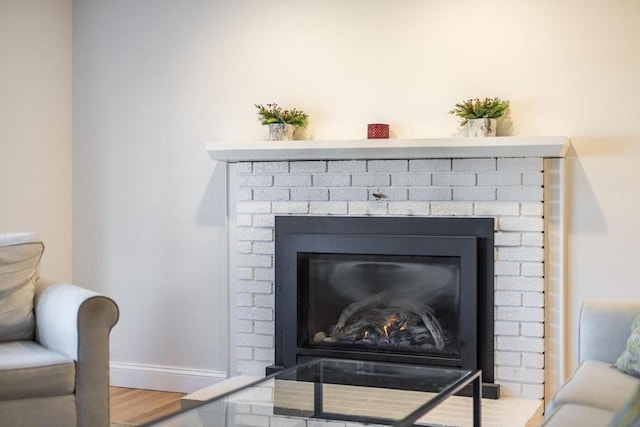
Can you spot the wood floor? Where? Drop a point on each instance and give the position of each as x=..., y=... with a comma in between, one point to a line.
x=136, y=406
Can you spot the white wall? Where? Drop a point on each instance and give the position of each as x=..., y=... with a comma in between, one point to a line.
x=153, y=81
x=35, y=126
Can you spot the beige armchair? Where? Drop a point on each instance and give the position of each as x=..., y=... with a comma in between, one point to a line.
x=59, y=376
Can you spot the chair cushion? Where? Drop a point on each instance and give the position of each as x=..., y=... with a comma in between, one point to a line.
x=589, y=382
x=629, y=360
x=629, y=414
x=29, y=370
x=20, y=255
x=573, y=415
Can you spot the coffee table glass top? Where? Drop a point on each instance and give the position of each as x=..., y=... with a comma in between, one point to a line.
x=330, y=390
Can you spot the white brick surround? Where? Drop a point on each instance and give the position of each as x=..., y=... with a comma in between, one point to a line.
x=508, y=189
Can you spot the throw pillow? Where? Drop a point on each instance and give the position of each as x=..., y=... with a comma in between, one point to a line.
x=629, y=360
x=20, y=255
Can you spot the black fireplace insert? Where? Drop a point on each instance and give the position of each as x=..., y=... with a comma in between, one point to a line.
x=415, y=290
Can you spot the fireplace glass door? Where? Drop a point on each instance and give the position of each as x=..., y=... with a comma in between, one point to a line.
x=381, y=303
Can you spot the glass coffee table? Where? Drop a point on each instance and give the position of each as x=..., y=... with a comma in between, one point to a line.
x=326, y=391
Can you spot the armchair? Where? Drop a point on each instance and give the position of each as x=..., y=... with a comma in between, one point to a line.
x=599, y=394
x=60, y=375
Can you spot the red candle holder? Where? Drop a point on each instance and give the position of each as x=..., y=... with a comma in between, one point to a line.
x=378, y=131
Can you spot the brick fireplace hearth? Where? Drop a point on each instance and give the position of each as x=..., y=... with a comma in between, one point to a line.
x=522, y=192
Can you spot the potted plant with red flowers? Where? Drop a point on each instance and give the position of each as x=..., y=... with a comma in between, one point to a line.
x=282, y=122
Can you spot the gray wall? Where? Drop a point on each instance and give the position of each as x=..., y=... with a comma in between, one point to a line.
x=148, y=203
x=154, y=80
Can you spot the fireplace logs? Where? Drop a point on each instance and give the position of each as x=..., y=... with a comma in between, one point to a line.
x=379, y=321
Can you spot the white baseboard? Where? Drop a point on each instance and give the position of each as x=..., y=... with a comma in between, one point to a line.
x=164, y=378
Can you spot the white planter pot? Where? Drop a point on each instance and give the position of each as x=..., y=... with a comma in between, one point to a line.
x=281, y=132
x=482, y=127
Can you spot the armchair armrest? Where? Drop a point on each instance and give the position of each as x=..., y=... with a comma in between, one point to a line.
x=605, y=326
x=58, y=310
x=77, y=322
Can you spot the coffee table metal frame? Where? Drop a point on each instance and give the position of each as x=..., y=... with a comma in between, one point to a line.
x=465, y=379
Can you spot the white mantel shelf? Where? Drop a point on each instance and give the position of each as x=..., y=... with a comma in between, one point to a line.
x=387, y=149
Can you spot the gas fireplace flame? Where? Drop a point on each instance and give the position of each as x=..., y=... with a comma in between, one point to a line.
x=389, y=321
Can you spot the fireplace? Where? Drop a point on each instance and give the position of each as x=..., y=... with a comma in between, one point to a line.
x=465, y=179
x=415, y=290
